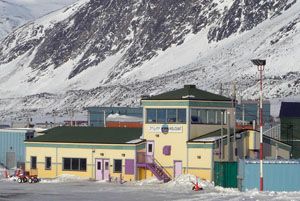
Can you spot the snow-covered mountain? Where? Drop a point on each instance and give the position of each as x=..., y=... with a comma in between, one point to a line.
x=109, y=52
x=14, y=13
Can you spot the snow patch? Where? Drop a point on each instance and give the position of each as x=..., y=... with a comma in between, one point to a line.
x=64, y=178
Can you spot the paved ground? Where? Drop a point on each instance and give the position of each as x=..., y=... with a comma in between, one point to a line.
x=88, y=191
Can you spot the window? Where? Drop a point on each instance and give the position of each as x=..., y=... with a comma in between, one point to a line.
x=82, y=164
x=33, y=162
x=77, y=164
x=166, y=116
x=150, y=149
x=211, y=115
x=171, y=115
x=117, y=166
x=48, y=163
x=106, y=165
x=194, y=116
x=151, y=115
x=161, y=115
x=202, y=116
x=181, y=115
x=67, y=163
x=205, y=116
x=98, y=165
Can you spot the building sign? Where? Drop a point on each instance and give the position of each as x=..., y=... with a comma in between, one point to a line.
x=165, y=129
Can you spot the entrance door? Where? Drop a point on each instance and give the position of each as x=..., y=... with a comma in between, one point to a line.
x=102, y=169
x=177, y=168
x=150, y=151
x=99, y=169
x=106, y=169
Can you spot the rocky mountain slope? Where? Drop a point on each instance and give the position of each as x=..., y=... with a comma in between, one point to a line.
x=109, y=52
x=15, y=13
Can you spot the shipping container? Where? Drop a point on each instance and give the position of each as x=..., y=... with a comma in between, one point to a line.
x=278, y=175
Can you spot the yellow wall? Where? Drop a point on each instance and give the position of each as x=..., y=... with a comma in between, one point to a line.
x=57, y=154
x=201, y=162
x=177, y=140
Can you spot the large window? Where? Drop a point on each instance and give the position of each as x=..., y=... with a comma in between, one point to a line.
x=151, y=115
x=206, y=116
x=181, y=115
x=117, y=166
x=74, y=164
x=33, y=162
x=48, y=163
x=163, y=116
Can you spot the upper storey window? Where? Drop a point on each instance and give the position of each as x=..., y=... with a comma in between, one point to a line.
x=208, y=116
x=163, y=116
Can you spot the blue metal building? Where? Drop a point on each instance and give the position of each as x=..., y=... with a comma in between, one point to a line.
x=12, y=148
x=279, y=175
x=96, y=114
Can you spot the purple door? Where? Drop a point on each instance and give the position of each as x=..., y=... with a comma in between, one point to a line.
x=177, y=168
x=106, y=169
x=99, y=169
x=150, y=152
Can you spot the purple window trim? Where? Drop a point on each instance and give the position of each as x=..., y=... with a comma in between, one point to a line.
x=129, y=166
x=167, y=150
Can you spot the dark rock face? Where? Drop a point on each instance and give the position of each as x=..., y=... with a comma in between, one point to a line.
x=243, y=15
x=136, y=28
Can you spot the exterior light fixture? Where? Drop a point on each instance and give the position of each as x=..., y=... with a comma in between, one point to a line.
x=123, y=155
x=260, y=67
x=101, y=154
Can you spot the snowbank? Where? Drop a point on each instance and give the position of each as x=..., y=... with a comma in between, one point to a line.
x=64, y=178
x=150, y=181
x=184, y=181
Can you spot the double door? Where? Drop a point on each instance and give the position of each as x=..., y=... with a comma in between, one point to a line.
x=102, y=169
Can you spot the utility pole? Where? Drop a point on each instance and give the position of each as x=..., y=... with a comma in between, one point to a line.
x=260, y=67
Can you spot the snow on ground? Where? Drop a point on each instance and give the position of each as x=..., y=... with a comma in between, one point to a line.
x=69, y=187
x=64, y=178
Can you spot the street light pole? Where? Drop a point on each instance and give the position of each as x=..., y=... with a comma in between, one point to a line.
x=260, y=66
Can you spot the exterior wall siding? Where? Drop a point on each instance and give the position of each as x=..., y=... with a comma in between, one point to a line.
x=12, y=141
x=286, y=179
x=59, y=151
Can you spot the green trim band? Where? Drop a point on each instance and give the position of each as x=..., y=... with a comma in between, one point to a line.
x=79, y=146
x=188, y=103
x=207, y=146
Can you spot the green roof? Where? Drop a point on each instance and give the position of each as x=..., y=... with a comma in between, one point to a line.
x=97, y=135
x=189, y=92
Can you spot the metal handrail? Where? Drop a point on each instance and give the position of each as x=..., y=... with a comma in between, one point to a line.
x=142, y=157
x=160, y=165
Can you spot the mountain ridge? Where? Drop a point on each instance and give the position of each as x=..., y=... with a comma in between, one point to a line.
x=152, y=50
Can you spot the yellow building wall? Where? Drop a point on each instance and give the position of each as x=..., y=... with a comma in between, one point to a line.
x=177, y=141
x=57, y=155
x=201, y=162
